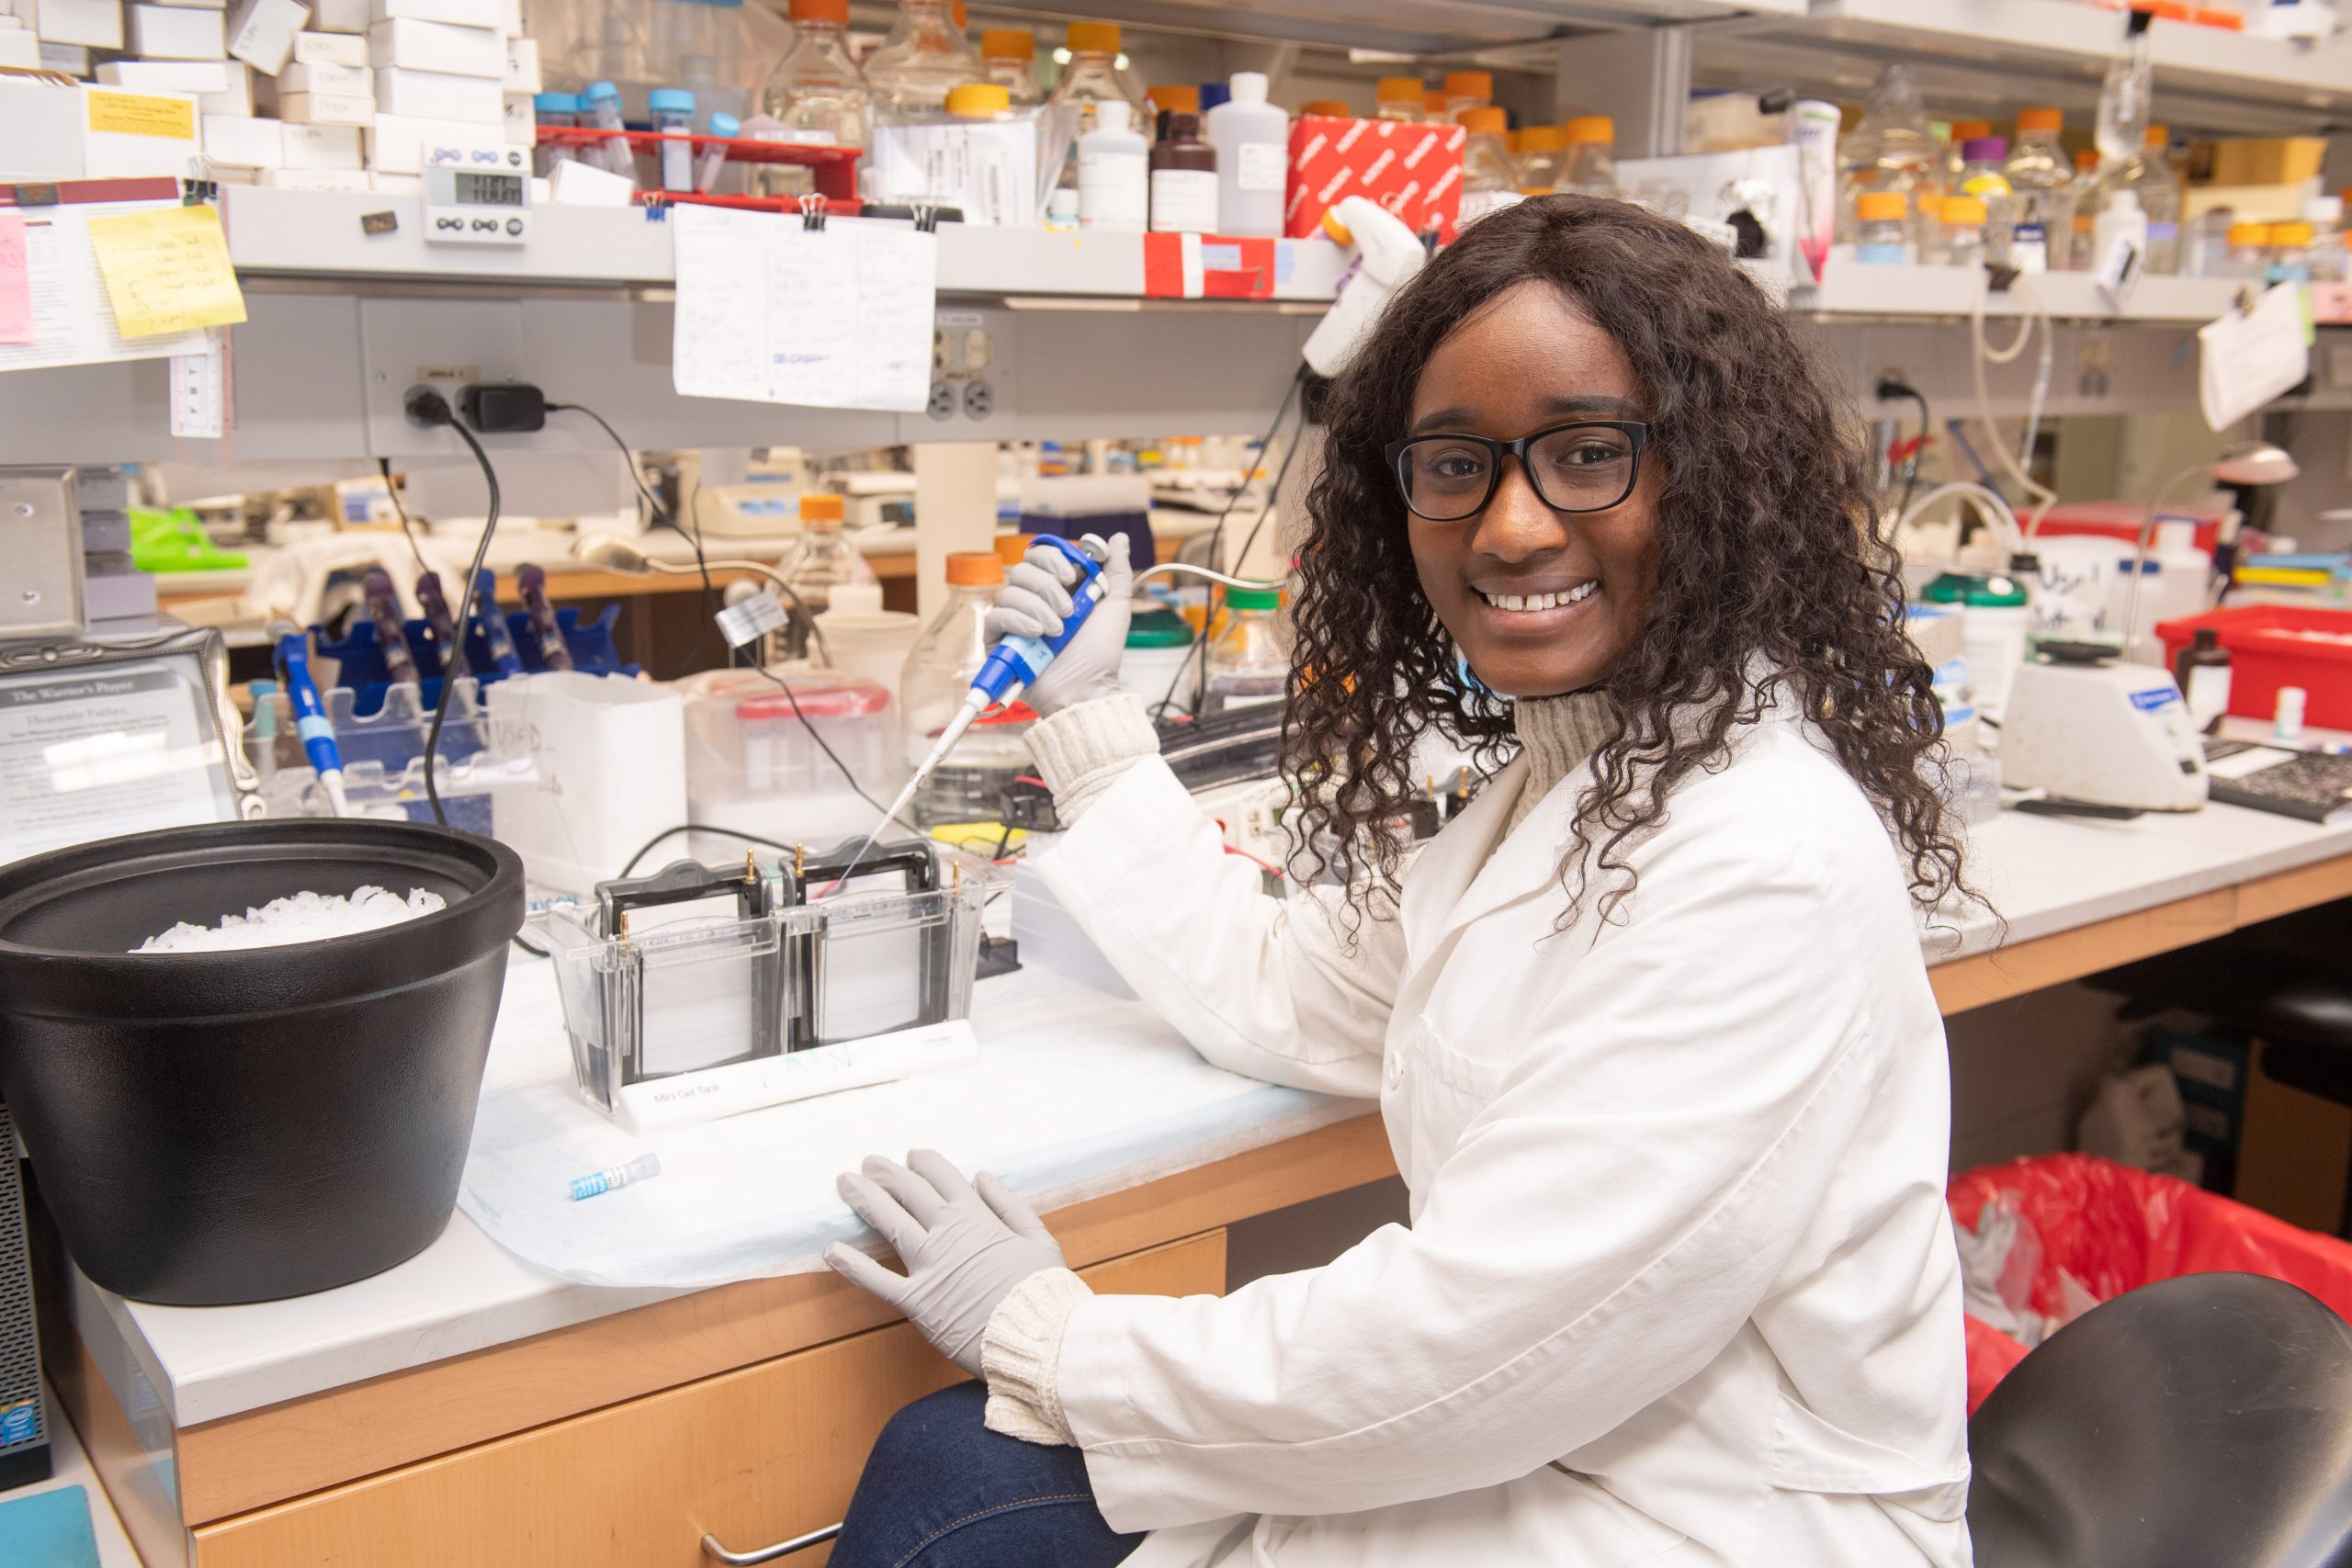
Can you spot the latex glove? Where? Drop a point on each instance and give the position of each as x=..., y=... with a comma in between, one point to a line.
x=1036, y=597
x=965, y=1246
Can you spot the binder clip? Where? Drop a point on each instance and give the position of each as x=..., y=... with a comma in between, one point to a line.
x=926, y=219
x=812, y=213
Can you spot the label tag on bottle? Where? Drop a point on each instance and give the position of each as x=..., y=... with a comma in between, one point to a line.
x=1262, y=165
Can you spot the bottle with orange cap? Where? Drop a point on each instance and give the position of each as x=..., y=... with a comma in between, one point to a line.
x=1095, y=73
x=820, y=561
x=815, y=95
x=2042, y=184
x=1399, y=98
x=925, y=58
x=1489, y=178
x=1467, y=90
x=1542, y=152
x=1009, y=55
x=1167, y=99
x=1433, y=109
x=933, y=687
x=1589, y=166
x=1893, y=148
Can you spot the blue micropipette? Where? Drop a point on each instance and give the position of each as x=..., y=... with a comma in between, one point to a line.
x=311, y=721
x=1012, y=665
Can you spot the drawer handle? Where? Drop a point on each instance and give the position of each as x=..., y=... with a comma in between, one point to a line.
x=717, y=1553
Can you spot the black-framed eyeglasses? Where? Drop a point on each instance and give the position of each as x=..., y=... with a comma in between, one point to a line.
x=1588, y=465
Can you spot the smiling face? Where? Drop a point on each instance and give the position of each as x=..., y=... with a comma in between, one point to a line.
x=1539, y=601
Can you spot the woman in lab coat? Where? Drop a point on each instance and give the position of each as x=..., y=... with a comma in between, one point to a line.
x=1648, y=1023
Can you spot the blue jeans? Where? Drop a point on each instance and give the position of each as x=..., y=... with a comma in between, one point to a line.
x=941, y=1491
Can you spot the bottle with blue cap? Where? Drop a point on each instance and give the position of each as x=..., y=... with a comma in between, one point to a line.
x=559, y=111
x=673, y=113
x=601, y=106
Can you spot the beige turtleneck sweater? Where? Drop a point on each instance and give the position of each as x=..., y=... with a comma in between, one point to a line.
x=1080, y=752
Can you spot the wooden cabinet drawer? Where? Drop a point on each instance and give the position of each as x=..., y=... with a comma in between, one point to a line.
x=753, y=1456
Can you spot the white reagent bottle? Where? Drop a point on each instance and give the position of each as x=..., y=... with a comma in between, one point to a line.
x=1113, y=178
x=1252, y=142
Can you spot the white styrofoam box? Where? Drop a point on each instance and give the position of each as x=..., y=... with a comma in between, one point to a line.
x=95, y=24
x=246, y=142
x=339, y=16
x=331, y=48
x=19, y=48
x=131, y=135
x=320, y=146
x=522, y=120
x=436, y=94
x=326, y=108
x=396, y=142
x=574, y=183
x=196, y=5
x=261, y=32
x=522, y=65
x=315, y=179
x=385, y=183
x=510, y=17
x=68, y=58
x=221, y=86
x=175, y=32
x=459, y=13
x=44, y=122
x=584, y=817
x=414, y=45
x=350, y=81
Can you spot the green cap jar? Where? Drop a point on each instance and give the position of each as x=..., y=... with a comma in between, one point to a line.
x=1253, y=599
x=1159, y=628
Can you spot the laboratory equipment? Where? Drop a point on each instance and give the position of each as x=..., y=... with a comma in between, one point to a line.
x=1399, y=98
x=1890, y=149
x=556, y=111
x=174, y=1101
x=1884, y=238
x=1113, y=174
x=1010, y=57
x=596, y=1183
x=614, y=553
x=442, y=625
x=756, y=754
x=1246, y=663
x=2102, y=733
x=1184, y=178
x=925, y=58
x=815, y=97
x=1252, y=139
x=711, y=162
x=1590, y=165
x=384, y=615
x=1094, y=74
x=491, y=625
x=2043, y=185
x=1389, y=253
x=672, y=110
x=24, y=1426
x=1467, y=90
x=1489, y=177
x=478, y=194
x=589, y=770
x=293, y=660
x=2250, y=463
x=677, y=1014
x=821, y=559
x=1542, y=153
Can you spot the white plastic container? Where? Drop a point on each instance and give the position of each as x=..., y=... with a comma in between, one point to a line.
x=753, y=766
x=1252, y=142
x=1113, y=175
x=609, y=756
x=672, y=111
x=2173, y=586
x=863, y=639
x=2121, y=219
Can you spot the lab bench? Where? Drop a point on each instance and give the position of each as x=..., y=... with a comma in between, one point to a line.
x=466, y=1408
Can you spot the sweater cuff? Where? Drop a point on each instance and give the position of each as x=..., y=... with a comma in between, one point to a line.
x=1020, y=1352
x=1082, y=750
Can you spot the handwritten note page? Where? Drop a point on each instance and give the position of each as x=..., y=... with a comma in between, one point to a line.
x=771, y=312
x=2248, y=358
x=166, y=270
x=71, y=322
x=15, y=282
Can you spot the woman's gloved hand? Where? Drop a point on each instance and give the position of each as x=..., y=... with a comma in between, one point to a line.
x=965, y=1245
x=1036, y=597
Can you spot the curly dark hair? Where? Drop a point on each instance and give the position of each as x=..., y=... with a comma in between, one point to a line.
x=1769, y=544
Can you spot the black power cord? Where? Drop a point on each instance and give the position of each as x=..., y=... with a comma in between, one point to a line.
x=664, y=517
x=1889, y=388
x=407, y=529
x=428, y=409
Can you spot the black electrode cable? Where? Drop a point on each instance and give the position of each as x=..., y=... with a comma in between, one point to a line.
x=465, y=614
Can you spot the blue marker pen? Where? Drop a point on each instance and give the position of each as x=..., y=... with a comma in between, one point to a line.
x=311, y=720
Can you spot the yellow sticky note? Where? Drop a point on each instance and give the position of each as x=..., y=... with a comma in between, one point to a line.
x=166, y=270
x=136, y=114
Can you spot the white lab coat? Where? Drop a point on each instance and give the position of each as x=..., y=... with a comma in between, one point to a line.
x=1679, y=1280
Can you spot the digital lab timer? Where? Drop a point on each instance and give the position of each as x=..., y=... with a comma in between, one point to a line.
x=477, y=196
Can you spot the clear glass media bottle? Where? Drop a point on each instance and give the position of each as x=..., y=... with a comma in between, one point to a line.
x=967, y=785
x=816, y=94
x=925, y=58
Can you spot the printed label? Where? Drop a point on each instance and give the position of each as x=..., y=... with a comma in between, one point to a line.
x=136, y=114
x=1184, y=201
x=1262, y=165
x=2156, y=698
x=20, y=1423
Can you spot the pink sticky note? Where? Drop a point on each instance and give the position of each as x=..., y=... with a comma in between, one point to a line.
x=16, y=281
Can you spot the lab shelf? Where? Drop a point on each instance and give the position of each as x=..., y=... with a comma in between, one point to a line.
x=2000, y=54
x=1853, y=290
x=277, y=233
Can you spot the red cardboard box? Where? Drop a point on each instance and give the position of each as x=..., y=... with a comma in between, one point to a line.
x=1414, y=170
